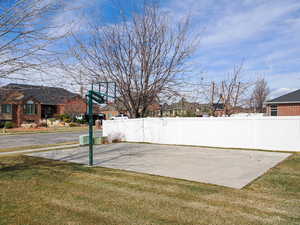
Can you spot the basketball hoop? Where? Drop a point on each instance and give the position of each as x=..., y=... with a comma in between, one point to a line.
x=100, y=93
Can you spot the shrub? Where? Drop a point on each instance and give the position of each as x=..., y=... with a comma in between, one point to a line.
x=83, y=120
x=43, y=124
x=104, y=140
x=73, y=124
x=65, y=118
x=116, y=140
x=57, y=116
x=9, y=124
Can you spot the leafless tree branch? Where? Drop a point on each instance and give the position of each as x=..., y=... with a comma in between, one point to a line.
x=259, y=95
x=25, y=35
x=143, y=55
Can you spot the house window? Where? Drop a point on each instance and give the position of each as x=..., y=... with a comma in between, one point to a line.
x=6, y=108
x=273, y=110
x=30, y=108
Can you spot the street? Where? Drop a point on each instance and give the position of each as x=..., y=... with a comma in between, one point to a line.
x=11, y=141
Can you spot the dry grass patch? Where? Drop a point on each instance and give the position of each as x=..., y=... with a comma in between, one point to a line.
x=40, y=191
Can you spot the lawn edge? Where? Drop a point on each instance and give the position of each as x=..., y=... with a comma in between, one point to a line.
x=16, y=153
x=29, y=147
x=216, y=148
x=269, y=170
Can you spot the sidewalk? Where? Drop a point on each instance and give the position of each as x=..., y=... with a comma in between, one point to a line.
x=40, y=149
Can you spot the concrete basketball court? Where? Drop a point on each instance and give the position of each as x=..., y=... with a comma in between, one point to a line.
x=231, y=168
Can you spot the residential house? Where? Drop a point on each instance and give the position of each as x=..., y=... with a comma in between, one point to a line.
x=22, y=103
x=180, y=108
x=285, y=105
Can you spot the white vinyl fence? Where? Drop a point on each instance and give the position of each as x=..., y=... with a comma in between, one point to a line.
x=269, y=133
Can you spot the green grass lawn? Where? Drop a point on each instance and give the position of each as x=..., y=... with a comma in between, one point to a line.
x=40, y=191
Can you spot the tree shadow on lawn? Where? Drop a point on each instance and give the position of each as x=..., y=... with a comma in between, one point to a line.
x=15, y=166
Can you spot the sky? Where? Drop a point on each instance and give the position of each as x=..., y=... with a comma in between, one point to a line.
x=262, y=34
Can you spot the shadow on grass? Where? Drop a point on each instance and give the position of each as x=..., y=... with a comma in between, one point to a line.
x=22, y=163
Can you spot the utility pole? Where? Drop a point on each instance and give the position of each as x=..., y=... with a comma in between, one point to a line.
x=91, y=122
x=212, y=98
x=212, y=92
x=81, y=90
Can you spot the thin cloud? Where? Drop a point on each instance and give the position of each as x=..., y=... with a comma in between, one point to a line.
x=263, y=33
x=238, y=26
x=280, y=91
x=75, y=16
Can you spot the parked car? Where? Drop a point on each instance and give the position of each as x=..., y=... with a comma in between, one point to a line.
x=120, y=116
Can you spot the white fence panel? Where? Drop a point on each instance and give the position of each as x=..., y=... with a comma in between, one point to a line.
x=270, y=133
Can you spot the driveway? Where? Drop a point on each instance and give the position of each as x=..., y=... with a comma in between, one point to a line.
x=231, y=168
x=10, y=141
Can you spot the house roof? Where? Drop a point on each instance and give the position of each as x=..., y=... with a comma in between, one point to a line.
x=43, y=94
x=292, y=97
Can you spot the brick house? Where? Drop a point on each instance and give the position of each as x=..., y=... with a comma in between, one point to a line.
x=110, y=110
x=22, y=103
x=285, y=105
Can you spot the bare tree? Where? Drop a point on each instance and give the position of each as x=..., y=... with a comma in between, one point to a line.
x=233, y=91
x=145, y=55
x=25, y=34
x=213, y=96
x=259, y=95
x=75, y=77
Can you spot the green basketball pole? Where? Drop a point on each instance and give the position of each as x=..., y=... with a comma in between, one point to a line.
x=99, y=98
